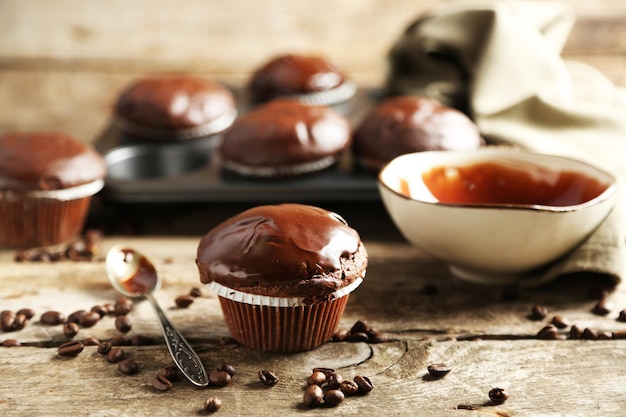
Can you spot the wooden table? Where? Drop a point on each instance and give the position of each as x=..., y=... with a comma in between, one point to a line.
x=61, y=66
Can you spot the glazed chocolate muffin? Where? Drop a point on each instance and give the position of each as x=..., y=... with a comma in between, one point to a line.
x=284, y=138
x=311, y=79
x=406, y=124
x=283, y=274
x=174, y=108
x=47, y=181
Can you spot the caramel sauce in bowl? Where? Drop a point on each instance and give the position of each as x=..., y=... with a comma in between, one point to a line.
x=495, y=214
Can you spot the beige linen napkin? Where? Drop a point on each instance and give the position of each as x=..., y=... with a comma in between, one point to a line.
x=500, y=62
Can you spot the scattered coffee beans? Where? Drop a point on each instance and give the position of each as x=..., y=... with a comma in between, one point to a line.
x=115, y=355
x=439, y=370
x=360, y=331
x=560, y=322
x=548, y=332
x=91, y=341
x=100, y=310
x=219, y=378
x=195, y=292
x=267, y=377
x=70, y=329
x=538, y=312
x=498, y=395
x=7, y=320
x=313, y=396
x=622, y=316
x=349, y=388
x=122, y=306
x=52, y=318
x=602, y=307
x=333, y=397
x=71, y=348
x=20, y=322
x=575, y=332
x=171, y=373
x=184, y=301
x=104, y=347
x=76, y=316
x=316, y=378
x=123, y=324
x=223, y=366
x=89, y=319
x=161, y=383
x=128, y=367
x=28, y=312
x=364, y=383
x=212, y=404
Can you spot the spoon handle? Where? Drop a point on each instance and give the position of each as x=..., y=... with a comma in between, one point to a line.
x=184, y=357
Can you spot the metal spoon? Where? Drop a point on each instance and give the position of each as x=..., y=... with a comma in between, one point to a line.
x=133, y=275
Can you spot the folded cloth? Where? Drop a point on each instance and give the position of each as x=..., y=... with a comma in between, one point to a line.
x=500, y=61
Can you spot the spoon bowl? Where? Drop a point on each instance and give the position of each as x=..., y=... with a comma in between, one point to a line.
x=133, y=275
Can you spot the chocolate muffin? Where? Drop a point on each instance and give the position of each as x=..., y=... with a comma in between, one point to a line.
x=406, y=124
x=174, y=108
x=284, y=138
x=283, y=274
x=47, y=181
x=309, y=78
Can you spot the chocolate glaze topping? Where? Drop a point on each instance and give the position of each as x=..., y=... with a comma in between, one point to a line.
x=293, y=74
x=406, y=124
x=174, y=102
x=280, y=246
x=47, y=161
x=286, y=132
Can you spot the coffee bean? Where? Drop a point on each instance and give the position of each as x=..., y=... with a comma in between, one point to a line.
x=52, y=318
x=333, y=397
x=89, y=319
x=91, y=341
x=7, y=320
x=128, y=367
x=361, y=326
x=161, y=383
x=212, y=404
x=219, y=378
x=115, y=355
x=604, y=335
x=358, y=337
x=123, y=306
x=316, y=378
x=333, y=381
x=349, y=388
x=267, y=377
x=76, y=316
x=223, y=366
x=104, y=347
x=364, y=383
x=619, y=335
x=11, y=343
x=378, y=337
x=72, y=348
x=622, y=316
x=20, y=322
x=590, y=334
x=184, y=301
x=340, y=335
x=195, y=292
x=70, y=329
x=575, y=332
x=123, y=324
x=498, y=395
x=171, y=373
x=100, y=310
x=439, y=370
x=329, y=372
x=108, y=308
x=559, y=321
x=548, y=332
x=28, y=312
x=312, y=396
x=602, y=307
x=538, y=312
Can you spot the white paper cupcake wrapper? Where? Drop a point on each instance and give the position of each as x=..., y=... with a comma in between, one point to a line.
x=343, y=92
x=278, y=171
x=264, y=300
x=66, y=194
x=214, y=126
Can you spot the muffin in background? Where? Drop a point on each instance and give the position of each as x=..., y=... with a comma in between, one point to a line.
x=47, y=181
x=283, y=274
x=174, y=108
x=312, y=79
x=406, y=124
x=284, y=138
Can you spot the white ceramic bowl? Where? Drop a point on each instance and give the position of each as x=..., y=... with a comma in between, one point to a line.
x=495, y=242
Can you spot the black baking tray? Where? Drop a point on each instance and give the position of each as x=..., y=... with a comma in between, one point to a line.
x=189, y=171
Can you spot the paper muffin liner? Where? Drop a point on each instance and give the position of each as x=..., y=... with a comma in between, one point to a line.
x=207, y=129
x=43, y=218
x=343, y=92
x=281, y=324
x=280, y=170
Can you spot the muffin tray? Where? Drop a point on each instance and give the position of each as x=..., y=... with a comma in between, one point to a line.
x=189, y=170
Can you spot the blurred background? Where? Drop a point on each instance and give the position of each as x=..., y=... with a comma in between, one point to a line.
x=63, y=62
